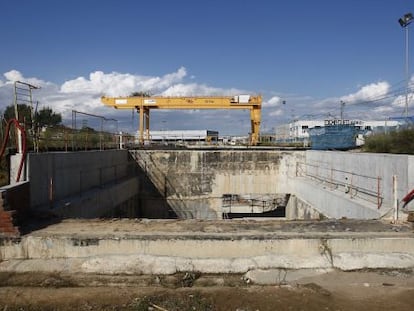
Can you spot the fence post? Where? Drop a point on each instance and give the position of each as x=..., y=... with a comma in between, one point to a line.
x=51, y=194
x=395, y=197
x=378, y=192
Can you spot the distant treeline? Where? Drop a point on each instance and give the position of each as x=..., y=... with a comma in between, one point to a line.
x=401, y=142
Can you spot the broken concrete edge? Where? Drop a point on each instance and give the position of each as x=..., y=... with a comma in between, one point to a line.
x=258, y=270
x=95, y=240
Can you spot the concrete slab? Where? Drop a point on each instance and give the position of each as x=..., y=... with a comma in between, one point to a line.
x=171, y=246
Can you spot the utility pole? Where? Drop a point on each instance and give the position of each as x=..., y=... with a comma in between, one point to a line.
x=404, y=22
x=342, y=109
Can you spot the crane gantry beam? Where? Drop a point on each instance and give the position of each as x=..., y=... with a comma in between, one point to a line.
x=144, y=104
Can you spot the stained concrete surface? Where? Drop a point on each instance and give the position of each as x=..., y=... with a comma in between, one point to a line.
x=153, y=227
x=171, y=246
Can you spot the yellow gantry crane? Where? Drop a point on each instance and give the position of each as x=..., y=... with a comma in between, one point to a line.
x=144, y=104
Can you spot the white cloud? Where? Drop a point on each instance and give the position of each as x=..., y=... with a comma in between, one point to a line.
x=364, y=103
x=119, y=84
x=368, y=92
x=83, y=93
x=399, y=101
x=383, y=109
x=276, y=113
x=275, y=101
x=398, y=105
x=13, y=75
x=194, y=89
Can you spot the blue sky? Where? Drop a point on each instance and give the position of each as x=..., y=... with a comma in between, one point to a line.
x=312, y=54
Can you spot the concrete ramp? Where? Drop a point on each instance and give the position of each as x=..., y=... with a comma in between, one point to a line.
x=191, y=184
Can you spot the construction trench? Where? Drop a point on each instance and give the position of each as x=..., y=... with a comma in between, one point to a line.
x=248, y=212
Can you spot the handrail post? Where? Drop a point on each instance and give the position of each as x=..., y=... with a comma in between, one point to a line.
x=395, y=197
x=378, y=192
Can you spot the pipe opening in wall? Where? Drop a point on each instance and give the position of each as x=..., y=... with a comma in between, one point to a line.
x=251, y=205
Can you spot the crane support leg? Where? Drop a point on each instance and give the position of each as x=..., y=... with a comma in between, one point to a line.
x=144, y=124
x=255, y=117
x=141, y=125
x=147, y=123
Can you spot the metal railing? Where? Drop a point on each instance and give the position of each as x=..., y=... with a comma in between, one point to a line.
x=256, y=205
x=66, y=139
x=369, y=188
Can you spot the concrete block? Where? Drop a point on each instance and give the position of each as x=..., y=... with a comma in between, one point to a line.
x=281, y=276
x=359, y=260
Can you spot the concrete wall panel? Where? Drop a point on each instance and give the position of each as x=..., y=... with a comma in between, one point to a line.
x=194, y=181
x=365, y=169
x=54, y=176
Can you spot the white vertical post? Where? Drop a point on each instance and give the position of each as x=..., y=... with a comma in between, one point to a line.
x=407, y=71
x=121, y=144
x=395, y=197
x=16, y=115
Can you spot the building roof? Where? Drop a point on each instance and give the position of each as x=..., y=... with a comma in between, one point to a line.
x=182, y=134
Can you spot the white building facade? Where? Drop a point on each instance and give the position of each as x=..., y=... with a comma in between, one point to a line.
x=299, y=129
x=189, y=136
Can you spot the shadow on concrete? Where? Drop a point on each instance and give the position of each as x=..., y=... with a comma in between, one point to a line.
x=277, y=213
x=35, y=222
x=16, y=215
x=151, y=202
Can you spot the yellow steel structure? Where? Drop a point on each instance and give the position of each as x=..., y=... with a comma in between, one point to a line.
x=144, y=104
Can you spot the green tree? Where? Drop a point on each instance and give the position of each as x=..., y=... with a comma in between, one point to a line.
x=47, y=118
x=24, y=111
x=141, y=94
x=87, y=129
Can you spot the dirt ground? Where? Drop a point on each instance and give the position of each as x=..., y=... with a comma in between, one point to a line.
x=336, y=290
x=360, y=290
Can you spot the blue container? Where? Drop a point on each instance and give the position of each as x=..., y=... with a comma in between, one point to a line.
x=333, y=137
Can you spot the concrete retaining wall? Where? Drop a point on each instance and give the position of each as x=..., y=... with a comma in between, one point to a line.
x=57, y=175
x=86, y=184
x=298, y=209
x=225, y=254
x=113, y=200
x=334, y=204
x=335, y=184
x=354, y=185
x=372, y=171
x=193, y=182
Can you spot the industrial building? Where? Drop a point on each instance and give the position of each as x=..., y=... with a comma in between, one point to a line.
x=298, y=130
x=184, y=136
